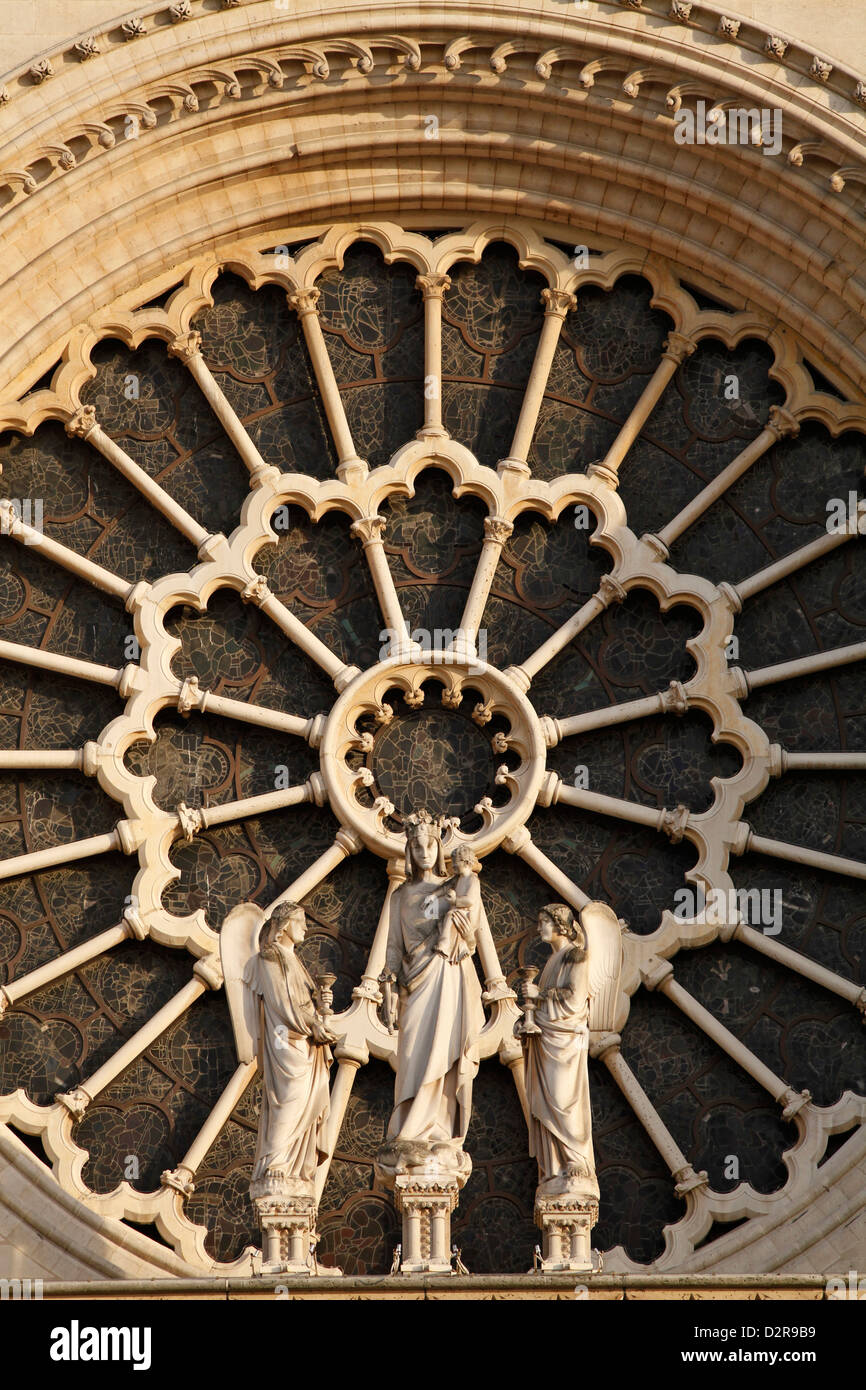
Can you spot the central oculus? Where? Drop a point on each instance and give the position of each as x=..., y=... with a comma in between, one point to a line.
x=458, y=737
x=437, y=758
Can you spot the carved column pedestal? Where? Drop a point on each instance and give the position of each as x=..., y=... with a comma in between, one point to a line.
x=287, y=1215
x=426, y=1180
x=426, y=1204
x=566, y=1220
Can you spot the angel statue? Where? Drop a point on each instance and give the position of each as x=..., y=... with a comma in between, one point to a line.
x=276, y=1018
x=576, y=993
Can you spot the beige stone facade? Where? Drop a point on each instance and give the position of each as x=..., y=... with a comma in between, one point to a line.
x=145, y=154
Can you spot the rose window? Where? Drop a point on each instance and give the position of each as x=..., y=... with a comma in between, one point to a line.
x=327, y=532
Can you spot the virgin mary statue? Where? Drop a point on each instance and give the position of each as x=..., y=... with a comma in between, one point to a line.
x=440, y=1012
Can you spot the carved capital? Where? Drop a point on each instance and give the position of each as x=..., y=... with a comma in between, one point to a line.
x=687, y=1180
x=135, y=927
x=257, y=591
x=793, y=1102
x=190, y=821
x=782, y=423
x=558, y=303
x=209, y=970
x=304, y=301
x=368, y=529
x=497, y=529
x=190, y=696
x=674, y=823
x=180, y=1179
x=674, y=700
x=610, y=590
x=678, y=347
x=76, y=1101
x=433, y=286
x=656, y=972
x=518, y=842
x=82, y=422
x=186, y=345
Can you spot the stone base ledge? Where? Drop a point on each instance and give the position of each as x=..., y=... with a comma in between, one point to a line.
x=605, y=1287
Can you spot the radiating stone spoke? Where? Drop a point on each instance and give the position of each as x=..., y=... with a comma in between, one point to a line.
x=781, y=761
x=659, y=975
x=557, y=304
x=259, y=593
x=54, y=760
x=496, y=533
x=207, y=974
x=346, y=842
x=188, y=348
x=794, y=960
x=12, y=525
x=123, y=838
x=607, y=1049
x=745, y=840
x=672, y=823
x=191, y=819
x=84, y=425
x=790, y=564
x=678, y=347
x=747, y=681
x=609, y=591
x=674, y=700
x=782, y=424
x=182, y=1177
x=523, y=846
x=351, y=468
x=368, y=530
x=433, y=287
x=15, y=990
x=62, y=665
x=190, y=696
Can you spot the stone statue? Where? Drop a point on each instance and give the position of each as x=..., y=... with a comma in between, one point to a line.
x=440, y=1012
x=431, y=939
x=577, y=992
x=277, y=1017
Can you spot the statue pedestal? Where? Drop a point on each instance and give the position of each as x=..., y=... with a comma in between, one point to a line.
x=566, y=1220
x=426, y=1204
x=426, y=1181
x=287, y=1215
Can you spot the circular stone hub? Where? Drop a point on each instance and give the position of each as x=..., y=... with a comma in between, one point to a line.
x=433, y=756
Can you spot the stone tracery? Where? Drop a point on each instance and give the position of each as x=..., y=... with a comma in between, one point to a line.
x=150, y=685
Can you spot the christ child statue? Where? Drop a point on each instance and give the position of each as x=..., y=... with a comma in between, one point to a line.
x=460, y=921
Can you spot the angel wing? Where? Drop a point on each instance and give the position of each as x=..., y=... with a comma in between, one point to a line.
x=604, y=943
x=238, y=944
